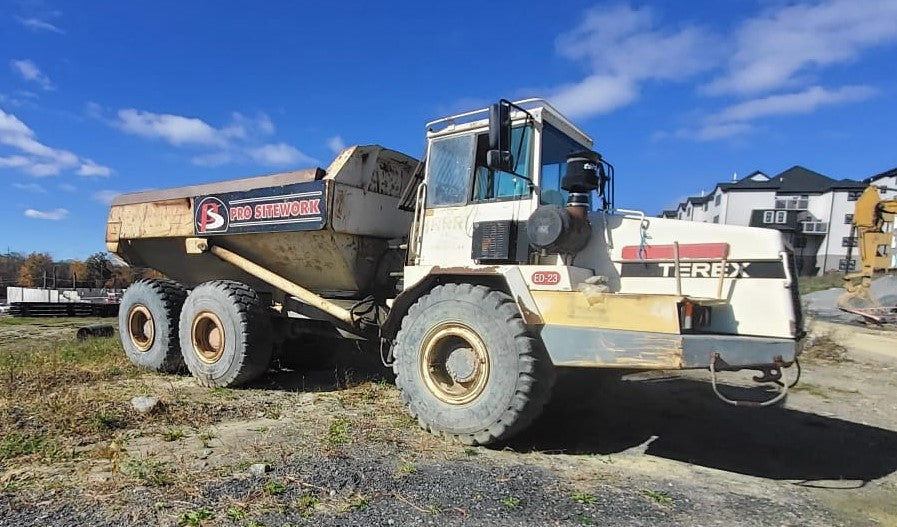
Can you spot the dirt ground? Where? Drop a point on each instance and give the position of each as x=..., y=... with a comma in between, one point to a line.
x=337, y=448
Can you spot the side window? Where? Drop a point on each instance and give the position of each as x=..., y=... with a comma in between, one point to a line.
x=449, y=167
x=490, y=185
x=555, y=147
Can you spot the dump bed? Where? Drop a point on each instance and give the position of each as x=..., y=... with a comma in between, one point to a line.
x=325, y=229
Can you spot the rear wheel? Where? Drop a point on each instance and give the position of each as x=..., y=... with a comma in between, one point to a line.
x=148, y=324
x=467, y=367
x=226, y=335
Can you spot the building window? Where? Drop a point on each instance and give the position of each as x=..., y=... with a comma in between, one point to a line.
x=717, y=199
x=849, y=241
x=781, y=216
x=843, y=264
x=848, y=219
x=716, y=219
x=854, y=195
x=793, y=203
x=768, y=216
x=705, y=206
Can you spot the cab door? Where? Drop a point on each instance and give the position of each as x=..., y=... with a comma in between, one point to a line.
x=462, y=192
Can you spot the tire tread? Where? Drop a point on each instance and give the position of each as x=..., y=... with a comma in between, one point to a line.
x=535, y=376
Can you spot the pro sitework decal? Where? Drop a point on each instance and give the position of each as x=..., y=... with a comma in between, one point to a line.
x=739, y=269
x=298, y=207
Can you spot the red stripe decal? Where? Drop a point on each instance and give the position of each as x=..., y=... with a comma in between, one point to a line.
x=686, y=251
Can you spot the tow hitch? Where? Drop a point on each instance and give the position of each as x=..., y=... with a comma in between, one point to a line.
x=768, y=374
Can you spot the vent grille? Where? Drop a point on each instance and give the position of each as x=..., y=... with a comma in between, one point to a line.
x=492, y=241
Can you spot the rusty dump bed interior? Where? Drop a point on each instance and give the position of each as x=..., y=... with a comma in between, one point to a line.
x=326, y=230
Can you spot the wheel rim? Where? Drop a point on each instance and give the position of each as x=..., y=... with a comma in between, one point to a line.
x=207, y=334
x=141, y=328
x=454, y=363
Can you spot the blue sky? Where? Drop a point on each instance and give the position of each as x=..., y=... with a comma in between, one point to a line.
x=120, y=96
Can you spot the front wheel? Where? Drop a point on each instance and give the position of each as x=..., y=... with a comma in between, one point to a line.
x=467, y=367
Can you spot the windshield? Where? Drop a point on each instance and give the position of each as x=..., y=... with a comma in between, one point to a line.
x=555, y=147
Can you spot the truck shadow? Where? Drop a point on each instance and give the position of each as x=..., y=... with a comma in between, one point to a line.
x=679, y=418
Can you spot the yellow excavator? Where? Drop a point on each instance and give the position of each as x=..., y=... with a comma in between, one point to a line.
x=870, y=215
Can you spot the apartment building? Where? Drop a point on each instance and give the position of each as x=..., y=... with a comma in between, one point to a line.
x=813, y=211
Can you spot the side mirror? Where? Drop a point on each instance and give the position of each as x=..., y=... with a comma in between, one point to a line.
x=499, y=155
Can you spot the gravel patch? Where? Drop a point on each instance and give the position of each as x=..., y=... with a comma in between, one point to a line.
x=370, y=489
x=824, y=304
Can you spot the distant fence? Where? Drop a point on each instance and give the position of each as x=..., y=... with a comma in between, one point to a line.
x=38, y=302
x=53, y=296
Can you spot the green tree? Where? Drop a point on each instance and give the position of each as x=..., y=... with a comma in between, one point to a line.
x=99, y=269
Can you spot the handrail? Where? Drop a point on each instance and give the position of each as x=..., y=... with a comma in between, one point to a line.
x=416, y=231
x=630, y=212
x=535, y=101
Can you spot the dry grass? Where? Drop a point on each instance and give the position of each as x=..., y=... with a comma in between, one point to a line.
x=810, y=284
x=67, y=420
x=826, y=349
x=58, y=393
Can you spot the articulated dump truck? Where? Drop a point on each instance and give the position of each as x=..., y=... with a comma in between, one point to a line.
x=477, y=273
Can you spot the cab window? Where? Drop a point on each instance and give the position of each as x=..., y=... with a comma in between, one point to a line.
x=449, y=164
x=495, y=185
x=555, y=148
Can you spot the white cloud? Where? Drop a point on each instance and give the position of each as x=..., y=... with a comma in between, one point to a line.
x=594, y=95
x=175, y=129
x=623, y=48
x=181, y=131
x=30, y=187
x=106, y=196
x=32, y=156
x=239, y=141
x=279, y=154
x=55, y=214
x=14, y=161
x=792, y=103
x=713, y=132
x=29, y=71
x=336, y=144
x=214, y=159
x=36, y=24
x=777, y=48
x=91, y=168
x=735, y=119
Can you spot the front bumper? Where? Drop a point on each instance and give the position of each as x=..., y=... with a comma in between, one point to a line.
x=610, y=348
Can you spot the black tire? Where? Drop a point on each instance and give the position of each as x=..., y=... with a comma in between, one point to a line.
x=148, y=324
x=244, y=334
x=518, y=373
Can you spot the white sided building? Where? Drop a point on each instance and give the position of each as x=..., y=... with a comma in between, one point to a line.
x=813, y=211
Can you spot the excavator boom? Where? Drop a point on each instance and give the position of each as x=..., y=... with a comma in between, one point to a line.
x=870, y=215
